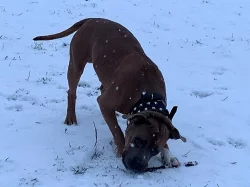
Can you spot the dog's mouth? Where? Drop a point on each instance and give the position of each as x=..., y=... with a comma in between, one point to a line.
x=136, y=159
x=137, y=163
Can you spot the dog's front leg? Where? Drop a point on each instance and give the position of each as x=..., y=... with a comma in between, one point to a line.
x=167, y=159
x=110, y=118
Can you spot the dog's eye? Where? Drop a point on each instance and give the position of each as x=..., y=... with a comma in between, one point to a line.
x=139, y=143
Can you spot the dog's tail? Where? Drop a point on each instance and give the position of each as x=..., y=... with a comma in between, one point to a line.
x=64, y=33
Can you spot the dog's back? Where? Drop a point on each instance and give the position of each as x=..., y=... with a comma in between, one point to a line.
x=106, y=38
x=109, y=43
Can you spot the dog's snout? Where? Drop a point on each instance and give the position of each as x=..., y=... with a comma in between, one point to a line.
x=135, y=164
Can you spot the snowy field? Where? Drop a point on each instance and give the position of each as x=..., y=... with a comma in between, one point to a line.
x=201, y=46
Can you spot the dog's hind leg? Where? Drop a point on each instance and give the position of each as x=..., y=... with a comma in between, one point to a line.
x=78, y=60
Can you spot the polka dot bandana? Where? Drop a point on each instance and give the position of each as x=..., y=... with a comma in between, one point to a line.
x=152, y=102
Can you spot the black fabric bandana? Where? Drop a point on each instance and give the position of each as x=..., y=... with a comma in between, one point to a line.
x=151, y=102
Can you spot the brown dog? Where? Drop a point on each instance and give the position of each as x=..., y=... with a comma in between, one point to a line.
x=131, y=84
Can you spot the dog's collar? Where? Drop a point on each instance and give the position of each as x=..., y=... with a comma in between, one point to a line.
x=151, y=102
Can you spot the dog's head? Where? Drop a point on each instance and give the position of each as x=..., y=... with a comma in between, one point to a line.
x=146, y=133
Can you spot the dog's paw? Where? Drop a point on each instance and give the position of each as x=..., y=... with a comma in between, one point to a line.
x=70, y=120
x=174, y=162
x=119, y=152
x=167, y=160
x=119, y=149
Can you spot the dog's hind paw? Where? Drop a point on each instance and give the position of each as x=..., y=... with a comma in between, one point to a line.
x=70, y=120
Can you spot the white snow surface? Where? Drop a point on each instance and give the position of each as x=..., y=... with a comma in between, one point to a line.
x=202, y=48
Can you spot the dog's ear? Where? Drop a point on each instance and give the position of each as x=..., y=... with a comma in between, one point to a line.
x=172, y=112
x=174, y=134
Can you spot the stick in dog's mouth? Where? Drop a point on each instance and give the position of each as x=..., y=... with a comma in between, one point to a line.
x=187, y=164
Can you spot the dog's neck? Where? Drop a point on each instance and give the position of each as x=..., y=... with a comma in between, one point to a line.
x=150, y=102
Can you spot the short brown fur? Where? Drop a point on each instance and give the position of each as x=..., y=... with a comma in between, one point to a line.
x=121, y=65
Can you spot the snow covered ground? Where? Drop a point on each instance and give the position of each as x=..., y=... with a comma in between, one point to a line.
x=203, y=50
